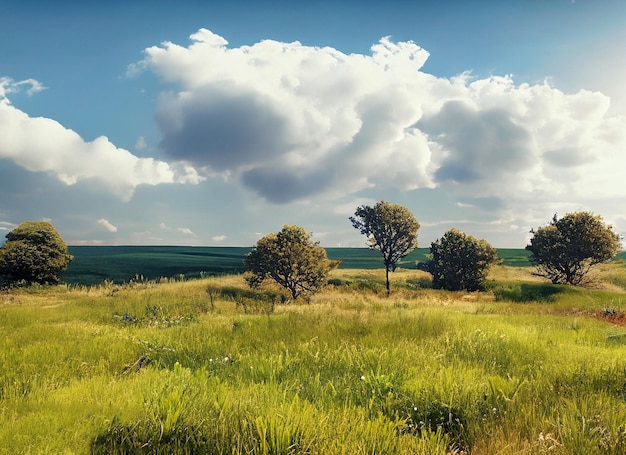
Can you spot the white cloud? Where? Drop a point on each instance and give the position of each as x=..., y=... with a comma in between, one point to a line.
x=181, y=230
x=44, y=145
x=8, y=85
x=107, y=225
x=6, y=226
x=141, y=143
x=333, y=131
x=292, y=121
x=189, y=175
x=219, y=238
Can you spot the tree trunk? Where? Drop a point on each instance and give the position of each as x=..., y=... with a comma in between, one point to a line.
x=387, y=279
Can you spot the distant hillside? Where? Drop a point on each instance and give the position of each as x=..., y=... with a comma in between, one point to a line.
x=94, y=264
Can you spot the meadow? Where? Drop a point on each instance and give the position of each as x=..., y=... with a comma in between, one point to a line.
x=95, y=264
x=184, y=366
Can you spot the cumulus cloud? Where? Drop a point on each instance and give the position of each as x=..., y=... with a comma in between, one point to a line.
x=219, y=238
x=527, y=141
x=291, y=121
x=476, y=144
x=223, y=128
x=107, y=225
x=44, y=145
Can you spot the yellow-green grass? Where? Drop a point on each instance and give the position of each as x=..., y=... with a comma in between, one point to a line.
x=168, y=367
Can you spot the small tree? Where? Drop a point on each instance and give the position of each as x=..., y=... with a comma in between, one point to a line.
x=566, y=249
x=291, y=259
x=34, y=252
x=390, y=229
x=460, y=261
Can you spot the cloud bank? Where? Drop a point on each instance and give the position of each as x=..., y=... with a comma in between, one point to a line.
x=324, y=132
x=44, y=145
x=291, y=121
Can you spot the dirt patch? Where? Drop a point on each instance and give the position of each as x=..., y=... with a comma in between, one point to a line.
x=612, y=316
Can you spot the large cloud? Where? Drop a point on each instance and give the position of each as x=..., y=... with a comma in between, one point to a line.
x=292, y=121
x=529, y=141
x=475, y=144
x=201, y=126
x=44, y=145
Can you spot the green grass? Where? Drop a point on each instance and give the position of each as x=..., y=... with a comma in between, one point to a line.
x=94, y=264
x=179, y=367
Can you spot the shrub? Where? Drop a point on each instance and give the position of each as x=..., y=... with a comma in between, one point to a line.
x=291, y=259
x=566, y=249
x=460, y=261
x=34, y=253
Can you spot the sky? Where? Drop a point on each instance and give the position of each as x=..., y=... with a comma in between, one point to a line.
x=214, y=123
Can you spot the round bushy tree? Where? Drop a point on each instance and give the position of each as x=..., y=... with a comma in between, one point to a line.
x=566, y=249
x=460, y=261
x=34, y=252
x=291, y=259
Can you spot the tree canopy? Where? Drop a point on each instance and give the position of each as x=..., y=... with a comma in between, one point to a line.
x=291, y=259
x=35, y=253
x=390, y=229
x=565, y=250
x=460, y=261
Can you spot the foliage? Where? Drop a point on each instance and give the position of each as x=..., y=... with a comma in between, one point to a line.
x=460, y=261
x=291, y=259
x=566, y=249
x=390, y=229
x=35, y=253
x=526, y=292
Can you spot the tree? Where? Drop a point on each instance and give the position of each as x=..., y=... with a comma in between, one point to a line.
x=35, y=253
x=291, y=259
x=390, y=229
x=566, y=249
x=460, y=261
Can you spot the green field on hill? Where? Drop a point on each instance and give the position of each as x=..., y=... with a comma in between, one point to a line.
x=95, y=264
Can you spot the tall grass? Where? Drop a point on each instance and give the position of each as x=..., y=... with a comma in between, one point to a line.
x=180, y=367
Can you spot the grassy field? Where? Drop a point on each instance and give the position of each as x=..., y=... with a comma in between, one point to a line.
x=93, y=265
x=207, y=366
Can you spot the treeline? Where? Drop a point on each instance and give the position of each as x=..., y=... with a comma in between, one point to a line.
x=563, y=251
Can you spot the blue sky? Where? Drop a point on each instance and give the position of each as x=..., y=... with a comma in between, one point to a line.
x=213, y=123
